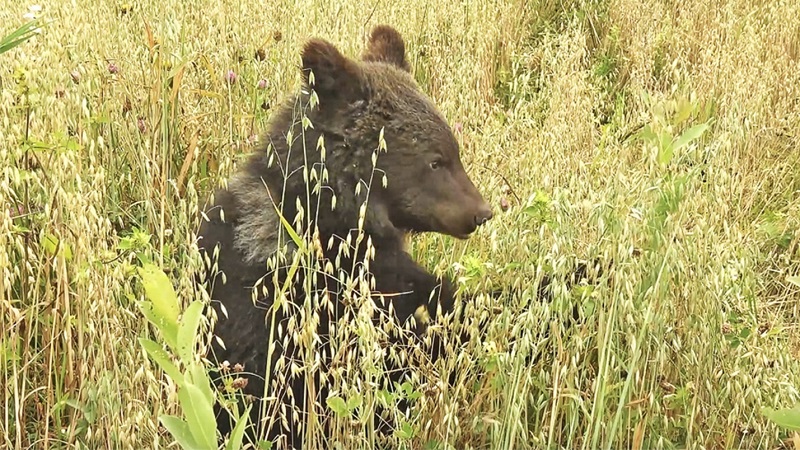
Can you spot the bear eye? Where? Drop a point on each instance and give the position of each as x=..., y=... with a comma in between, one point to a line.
x=436, y=164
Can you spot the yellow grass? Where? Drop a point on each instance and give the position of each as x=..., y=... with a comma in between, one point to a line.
x=693, y=331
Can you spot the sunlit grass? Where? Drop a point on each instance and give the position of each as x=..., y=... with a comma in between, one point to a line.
x=120, y=117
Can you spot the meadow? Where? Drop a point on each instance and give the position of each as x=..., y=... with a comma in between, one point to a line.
x=660, y=135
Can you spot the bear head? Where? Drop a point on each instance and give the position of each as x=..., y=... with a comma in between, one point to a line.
x=426, y=187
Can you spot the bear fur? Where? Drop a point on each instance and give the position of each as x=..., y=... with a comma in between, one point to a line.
x=417, y=184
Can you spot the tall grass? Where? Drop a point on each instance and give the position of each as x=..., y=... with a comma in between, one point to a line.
x=119, y=118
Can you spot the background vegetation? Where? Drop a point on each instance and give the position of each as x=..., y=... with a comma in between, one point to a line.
x=662, y=135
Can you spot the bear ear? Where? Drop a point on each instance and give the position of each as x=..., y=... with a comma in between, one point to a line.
x=387, y=46
x=334, y=73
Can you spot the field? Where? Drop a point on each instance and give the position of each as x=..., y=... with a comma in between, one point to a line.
x=663, y=136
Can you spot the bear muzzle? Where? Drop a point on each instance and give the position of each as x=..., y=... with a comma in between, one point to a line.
x=483, y=215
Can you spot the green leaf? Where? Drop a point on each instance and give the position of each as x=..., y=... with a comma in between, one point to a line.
x=199, y=414
x=197, y=375
x=9, y=352
x=532, y=211
x=665, y=156
x=54, y=246
x=353, y=402
x=745, y=333
x=385, y=397
x=187, y=331
x=18, y=36
x=338, y=405
x=794, y=280
x=665, y=149
x=647, y=134
x=582, y=291
x=72, y=145
x=682, y=112
x=288, y=227
x=689, y=135
x=237, y=435
x=541, y=197
x=162, y=309
x=414, y=395
x=540, y=208
x=179, y=429
x=788, y=419
x=49, y=244
x=157, y=354
x=432, y=445
x=406, y=431
x=589, y=307
x=168, y=332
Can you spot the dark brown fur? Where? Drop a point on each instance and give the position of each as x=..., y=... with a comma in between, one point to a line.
x=386, y=45
x=427, y=190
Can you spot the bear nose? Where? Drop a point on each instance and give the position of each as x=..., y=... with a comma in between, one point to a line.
x=484, y=215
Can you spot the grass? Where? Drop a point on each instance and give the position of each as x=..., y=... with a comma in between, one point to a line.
x=120, y=117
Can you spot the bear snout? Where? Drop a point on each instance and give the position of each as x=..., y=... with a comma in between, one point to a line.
x=483, y=215
x=461, y=222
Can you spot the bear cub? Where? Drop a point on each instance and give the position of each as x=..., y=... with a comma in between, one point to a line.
x=316, y=179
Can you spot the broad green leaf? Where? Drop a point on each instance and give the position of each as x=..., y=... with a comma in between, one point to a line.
x=532, y=211
x=689, y=135
x=157, y=354
x=179, y=429
x=647, y=134
x=788, y=419
x=794, y=280
x=540, y=209
x=159, y=290
x=196, y=374
x=541, y=197
x=582, y=291
x=168, y=332
x=49, y=243
x=406, y=431
x=187, y=331
x=72, y=145
x=237, y=435
x=589, y=307
x=385, y=397
x=665, y=149
x=199, y=413
x=683, y=111
x=125, y=243
x=433, y=444
x=338, y=405
x=164, y=307
x=353, y=402
x=53, y=246
x=413, y=395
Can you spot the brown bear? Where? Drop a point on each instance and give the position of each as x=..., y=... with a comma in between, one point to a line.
x=360, y=151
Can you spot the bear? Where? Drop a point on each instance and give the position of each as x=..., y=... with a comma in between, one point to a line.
x=356, y=161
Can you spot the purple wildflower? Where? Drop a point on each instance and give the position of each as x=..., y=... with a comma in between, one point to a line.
x=231, y=77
